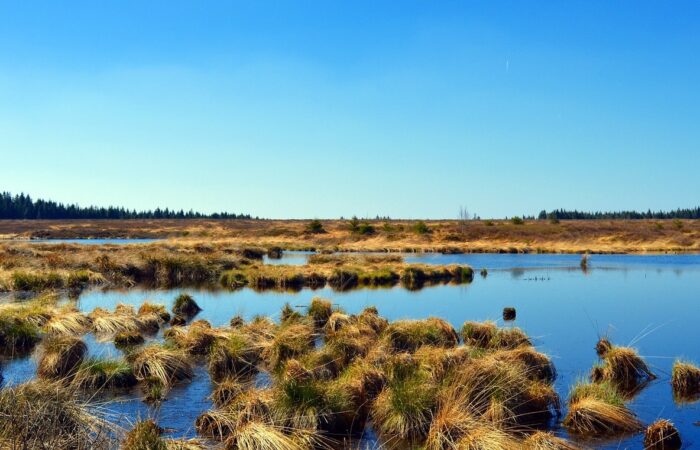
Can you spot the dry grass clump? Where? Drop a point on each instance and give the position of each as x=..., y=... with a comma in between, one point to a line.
x=442, y=362
x=454, y=428
x=233, y=356
x=185, y=306
x=409, y=335
x=290, y=340
x=685, y=380
x=144, y=436
x=263, y=436
x=59, y=357
x=478, y=334
x=487, y=336
x=598, y=410
x=404, y=409
x=624, y=367
x=68, y=322
x=148, y=308
x=17, y=337
x=43, y=415
x=603, y=346
x=199, y=338
x=160, y=363
x=227, y=390
x=541, y=440
x=504, y=393
x=123, y=319
x=97, y=374
x=128, y=339
x=662, y=435
x=538, y=365
x=21, y=323
x=320, y=311
x=253, y=405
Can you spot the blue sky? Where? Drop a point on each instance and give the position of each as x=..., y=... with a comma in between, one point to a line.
x=327, y=108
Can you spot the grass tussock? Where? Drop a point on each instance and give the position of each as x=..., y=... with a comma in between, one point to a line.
x=185, y=306
x=409, y=335
x=233, y=356
x=622, y=366
x=662, y=435
x=487, y=336
x=97, y=374
x=290, y=340
x=320, y=311
x=127, y=339
x=146, y=435
x=160, y=363
x=68, y=323
x=43, y=415
x=598, y=410
x=542, y=440
x=685, y=380
x=59, y=357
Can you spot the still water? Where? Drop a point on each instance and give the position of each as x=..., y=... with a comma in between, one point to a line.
x=649, y=302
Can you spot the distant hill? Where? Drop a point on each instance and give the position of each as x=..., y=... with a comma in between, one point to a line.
x=562, y=214
x=24, y=207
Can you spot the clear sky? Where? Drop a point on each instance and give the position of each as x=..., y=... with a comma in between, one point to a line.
x=327, y=108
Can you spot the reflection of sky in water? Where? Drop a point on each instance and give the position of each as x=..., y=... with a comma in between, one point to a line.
x=652, y=305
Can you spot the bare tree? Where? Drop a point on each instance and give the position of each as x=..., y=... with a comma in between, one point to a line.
x=463, y=218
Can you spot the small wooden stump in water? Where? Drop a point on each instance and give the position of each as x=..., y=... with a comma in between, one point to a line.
x=508, y=313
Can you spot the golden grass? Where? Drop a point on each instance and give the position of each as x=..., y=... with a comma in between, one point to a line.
x=541, y=440
x=575, y=236
x=59, y=357
x=42, y=415
x=623, y=366
x=598, y=410
x=167, y=366
x=68, y=322
x=662, y=435
x=685, y=380
x=593, y=417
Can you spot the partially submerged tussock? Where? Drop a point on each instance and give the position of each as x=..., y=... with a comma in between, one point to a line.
x=59, y=357
x=98, y=374
x=662, y=435
x=622, y=366
x=685, y=380
x=598, y=410
x=146, y=435
x=541, y=440
x=157, y=362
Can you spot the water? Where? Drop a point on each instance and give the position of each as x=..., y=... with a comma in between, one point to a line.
x=651, y=302
x=290, y=258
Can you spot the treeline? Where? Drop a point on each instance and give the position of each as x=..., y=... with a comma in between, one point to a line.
x=24, y=207
x=562, y=214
